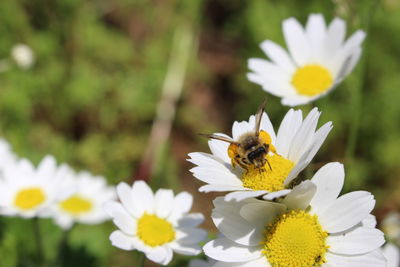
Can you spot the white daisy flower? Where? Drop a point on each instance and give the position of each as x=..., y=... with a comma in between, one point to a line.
x=311, y=227
x=392, y=255
x=319, y=58
x=27, y=191
x=155, y=224
x=391, y=226
x=85, y=205
x=295, y=145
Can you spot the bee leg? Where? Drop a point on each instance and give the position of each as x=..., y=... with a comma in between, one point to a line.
x=269, y=165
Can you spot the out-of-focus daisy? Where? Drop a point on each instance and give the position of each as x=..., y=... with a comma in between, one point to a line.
x=85, y=205
x=23, y=56
x=319, y=58
x=155, y=224
x=391, y=226
x=392, y=255
x=311, y=227
x=28, y=191
x=291, y=150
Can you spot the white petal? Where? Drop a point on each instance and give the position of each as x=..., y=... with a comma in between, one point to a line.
x=164, y=201
x=125, y=195
x=182, y=205
x=329, y=180
x=299, y=198
x=120, y=240
x=219, y=188
x=189, y=236
x=335, y=36
x=304, y=136
x=278, y=55
x=143, y=196
x=189, y=250
x=207, y=160
x=259, y=214
x=288, y=128
x=227, y=219
x=359, y=241
x=296, y=41
x=369, y=221
x=392, y=255
x=242, y=195
x=240, y=128
x=220, y=148
x=223, y=249
x=316, y=31
x=373, y=259
x=216, y=175
x=161, y=255
x=267, y=69
x=191, y=220
x=347, y=211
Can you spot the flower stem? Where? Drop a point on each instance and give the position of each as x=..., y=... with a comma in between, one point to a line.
x=38, y=240
x=140, y=259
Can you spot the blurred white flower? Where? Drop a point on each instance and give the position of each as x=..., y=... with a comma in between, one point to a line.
x=85, y=205
x=23, y=56
x=296, y=143
x=392, y=255
x=391, y=226
x=27, y=191
x=155, y=224
x=319, y=59
x=312, y=226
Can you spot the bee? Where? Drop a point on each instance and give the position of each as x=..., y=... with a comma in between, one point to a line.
x=251, y=148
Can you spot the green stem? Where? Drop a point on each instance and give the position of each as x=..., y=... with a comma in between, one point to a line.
x=357, y=92
x=141, y=258
x=39, y=241
x=62, y=246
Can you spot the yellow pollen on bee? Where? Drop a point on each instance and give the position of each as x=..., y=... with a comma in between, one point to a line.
x=154, y=231
x=268, y=179
x=76, y=205
x=311, y=80
x=295, y=239
x=29, y=198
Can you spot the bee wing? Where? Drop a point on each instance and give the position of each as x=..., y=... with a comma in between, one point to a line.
x=259, y=116
x=218, y=137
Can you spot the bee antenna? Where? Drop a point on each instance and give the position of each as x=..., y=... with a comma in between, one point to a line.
x=259, y=116
x=218, y=137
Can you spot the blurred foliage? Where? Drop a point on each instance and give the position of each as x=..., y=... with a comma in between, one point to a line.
x=92, y=95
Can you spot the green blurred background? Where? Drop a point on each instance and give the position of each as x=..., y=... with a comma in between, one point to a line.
x=104, y=67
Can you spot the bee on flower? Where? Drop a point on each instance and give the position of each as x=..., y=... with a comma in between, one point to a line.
x=268, y=162
x=317, y=60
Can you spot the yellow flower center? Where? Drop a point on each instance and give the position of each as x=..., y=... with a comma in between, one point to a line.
x=312, y=80
x=268, y=179
x=76, y=205
x=154, y=231
x=29, y=198
x=295, y=239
